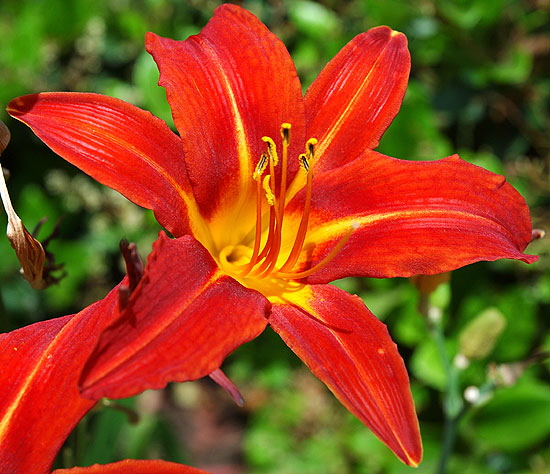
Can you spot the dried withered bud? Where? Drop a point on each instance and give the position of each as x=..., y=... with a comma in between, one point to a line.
x=37, y=265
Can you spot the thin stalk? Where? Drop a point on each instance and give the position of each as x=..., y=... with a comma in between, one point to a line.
x=449, y=437
x=453, y=405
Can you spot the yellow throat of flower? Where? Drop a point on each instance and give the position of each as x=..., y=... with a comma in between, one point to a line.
x=263, y=264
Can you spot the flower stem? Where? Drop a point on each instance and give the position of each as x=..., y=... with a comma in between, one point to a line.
x=453, y=405
x=449, y=437
x=73, y=452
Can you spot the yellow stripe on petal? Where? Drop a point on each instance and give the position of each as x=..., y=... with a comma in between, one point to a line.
x=334, y=229
x=357, y=95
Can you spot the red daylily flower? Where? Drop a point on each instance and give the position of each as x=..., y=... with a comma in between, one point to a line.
x=276, y=194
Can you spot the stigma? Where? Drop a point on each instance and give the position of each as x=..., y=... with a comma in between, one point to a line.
x=265, y=258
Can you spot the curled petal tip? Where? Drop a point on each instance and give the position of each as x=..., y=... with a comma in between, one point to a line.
x=21, y=105
x=398, y=35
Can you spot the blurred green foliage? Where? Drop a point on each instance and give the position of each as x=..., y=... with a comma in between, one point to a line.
x=480, y=86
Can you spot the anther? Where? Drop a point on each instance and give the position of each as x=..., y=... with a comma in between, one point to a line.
x=304, y=162
x=272, y=150
x=285, y=133
x=260, y=167
x=310, y=148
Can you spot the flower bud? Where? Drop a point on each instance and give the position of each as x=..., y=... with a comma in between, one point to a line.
x=29, y=251
x=479, y=337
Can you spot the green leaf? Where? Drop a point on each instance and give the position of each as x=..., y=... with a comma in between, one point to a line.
x=313, y=19
x=514, y=419
x=426, y=365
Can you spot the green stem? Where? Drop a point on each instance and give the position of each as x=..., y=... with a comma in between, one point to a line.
x=81, y=441
x=449, y=437
x=453, y=405
x=75, y=448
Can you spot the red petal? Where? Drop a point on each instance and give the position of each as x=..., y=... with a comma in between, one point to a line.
x=357, y=95
x=350, y=350
x=229, y=86
x=118, y=144
x=40, y=403
x=410, y=218
x=182, y=320
x=131, y=466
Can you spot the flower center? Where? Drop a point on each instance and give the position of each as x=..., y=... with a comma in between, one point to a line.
x=263, y=259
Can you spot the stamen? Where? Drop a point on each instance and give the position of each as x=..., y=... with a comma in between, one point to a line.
x=263, y=260
x=273, y=245
x=301, y=234
x=285, y=135
x=322, y=264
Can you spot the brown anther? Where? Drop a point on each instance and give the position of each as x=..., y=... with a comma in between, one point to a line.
x=310, y=148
